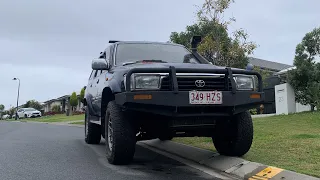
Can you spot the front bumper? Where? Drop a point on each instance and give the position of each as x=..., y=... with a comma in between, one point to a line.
x=171, y=104
x=34, y=115
x=176, y=103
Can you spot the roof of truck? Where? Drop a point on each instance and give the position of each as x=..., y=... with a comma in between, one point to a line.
x=143, y=42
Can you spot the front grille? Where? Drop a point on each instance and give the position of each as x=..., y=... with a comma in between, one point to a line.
x=187, y=83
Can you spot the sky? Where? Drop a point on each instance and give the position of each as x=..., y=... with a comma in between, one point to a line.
x=49, y=45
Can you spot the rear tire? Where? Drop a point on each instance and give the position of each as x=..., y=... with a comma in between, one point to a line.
x=92, y=131
x=234, y=137
x=120, y=135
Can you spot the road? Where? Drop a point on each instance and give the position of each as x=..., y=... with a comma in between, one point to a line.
x=30, y=151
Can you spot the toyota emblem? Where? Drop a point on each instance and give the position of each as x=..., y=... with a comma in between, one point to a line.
x=200, y=83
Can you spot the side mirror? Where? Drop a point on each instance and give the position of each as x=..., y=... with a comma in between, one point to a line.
x=100, y=64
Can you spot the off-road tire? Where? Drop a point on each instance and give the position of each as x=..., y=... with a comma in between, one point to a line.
x=123, y=135
x=234, y=137
x=93, y=132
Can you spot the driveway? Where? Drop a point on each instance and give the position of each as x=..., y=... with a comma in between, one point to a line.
x=43, y=151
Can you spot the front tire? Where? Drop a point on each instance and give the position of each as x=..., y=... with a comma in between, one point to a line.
x=234, y=137
x=92, y=131
x=120, y=135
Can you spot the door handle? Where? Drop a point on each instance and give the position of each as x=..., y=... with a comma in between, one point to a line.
x=98, y=81
x=91, y=85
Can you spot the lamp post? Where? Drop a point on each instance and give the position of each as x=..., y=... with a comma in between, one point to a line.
x=16, y=117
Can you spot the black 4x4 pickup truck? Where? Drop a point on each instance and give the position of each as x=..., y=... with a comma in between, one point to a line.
x=147, y=90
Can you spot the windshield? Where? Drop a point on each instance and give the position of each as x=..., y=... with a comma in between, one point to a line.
x=29, y=109
x=132, y=52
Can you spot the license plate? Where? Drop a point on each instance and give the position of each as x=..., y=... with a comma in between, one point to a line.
x=205, y=97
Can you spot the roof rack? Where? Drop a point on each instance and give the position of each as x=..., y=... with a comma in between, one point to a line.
x=113, y=41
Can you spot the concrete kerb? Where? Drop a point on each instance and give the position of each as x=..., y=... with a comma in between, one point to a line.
x=231, y=165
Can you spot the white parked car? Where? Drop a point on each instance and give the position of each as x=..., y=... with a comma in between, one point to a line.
x=28, y=113
x=6, y=116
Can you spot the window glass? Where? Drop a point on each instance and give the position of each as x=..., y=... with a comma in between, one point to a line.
x=131, y=52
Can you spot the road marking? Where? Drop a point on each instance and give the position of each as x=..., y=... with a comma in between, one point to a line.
x=257, y=178
x=266, y=173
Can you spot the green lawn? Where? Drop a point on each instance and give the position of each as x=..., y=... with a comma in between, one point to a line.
x=56, y=118
x=291, y=142
x=79, y=123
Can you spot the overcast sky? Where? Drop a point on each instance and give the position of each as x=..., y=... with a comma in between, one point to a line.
x=49, y=45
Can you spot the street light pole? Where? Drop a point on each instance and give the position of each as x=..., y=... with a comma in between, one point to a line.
x=17, y=97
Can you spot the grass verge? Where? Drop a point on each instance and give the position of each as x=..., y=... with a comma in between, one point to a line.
x=79, y=123
x=56, y=118
x=287, y=141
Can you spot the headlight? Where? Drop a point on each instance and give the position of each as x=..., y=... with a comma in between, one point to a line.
x=144, y=81
x=244, y=82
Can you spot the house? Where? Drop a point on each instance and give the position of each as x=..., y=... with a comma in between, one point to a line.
x=62, y=102
x=270, y=82
x=268, y=65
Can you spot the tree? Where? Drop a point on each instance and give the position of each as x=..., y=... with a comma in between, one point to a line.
x=73, y=100
x=12, y=111
x=33, y=104
x=2, y=107
x=217, y=46
x=1, y=110
x=82, y=94
x=305, y=79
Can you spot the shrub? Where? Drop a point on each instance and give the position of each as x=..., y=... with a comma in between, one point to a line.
x=253, y=111
x=77, y=112
x=51, y=113
x=56, y=108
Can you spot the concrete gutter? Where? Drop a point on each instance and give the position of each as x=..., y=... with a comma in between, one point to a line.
x=262, y=115
x=233, y=166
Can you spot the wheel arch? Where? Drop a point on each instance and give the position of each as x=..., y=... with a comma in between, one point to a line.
x=84, y=101
x=107, y=96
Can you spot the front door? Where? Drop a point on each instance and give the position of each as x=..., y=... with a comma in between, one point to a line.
x=90, y=93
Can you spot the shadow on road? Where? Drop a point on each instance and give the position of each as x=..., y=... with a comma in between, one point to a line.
x=148, y=162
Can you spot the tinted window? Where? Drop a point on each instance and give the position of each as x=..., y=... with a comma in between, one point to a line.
x=136, y=52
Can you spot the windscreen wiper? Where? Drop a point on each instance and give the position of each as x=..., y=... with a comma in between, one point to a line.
x=143, y=61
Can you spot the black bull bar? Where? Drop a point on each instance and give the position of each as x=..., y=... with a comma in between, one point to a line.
x=174, y=102
x=228, y=72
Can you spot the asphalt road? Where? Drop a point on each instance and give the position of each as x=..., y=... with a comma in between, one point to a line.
x=30, y=151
